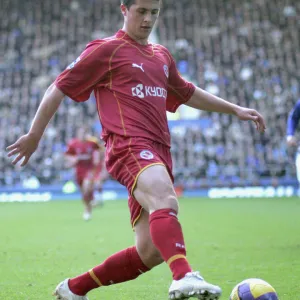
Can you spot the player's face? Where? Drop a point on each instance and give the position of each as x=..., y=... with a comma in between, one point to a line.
x=140, y=18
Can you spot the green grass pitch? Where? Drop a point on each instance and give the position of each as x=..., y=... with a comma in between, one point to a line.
x=228, y=240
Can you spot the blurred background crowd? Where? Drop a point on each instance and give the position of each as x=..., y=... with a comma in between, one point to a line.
x=244, y=51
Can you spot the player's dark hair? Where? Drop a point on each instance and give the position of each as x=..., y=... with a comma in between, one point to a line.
x=127, y=3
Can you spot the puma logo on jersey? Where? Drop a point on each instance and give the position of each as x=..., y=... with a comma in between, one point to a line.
x=138, y=66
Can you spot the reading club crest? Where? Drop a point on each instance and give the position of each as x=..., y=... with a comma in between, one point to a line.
x=146, y=154
x=166, y=69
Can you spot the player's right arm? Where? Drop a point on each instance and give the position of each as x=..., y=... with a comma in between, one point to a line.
x=292, y=123
x=25, y=146
x=77, y=82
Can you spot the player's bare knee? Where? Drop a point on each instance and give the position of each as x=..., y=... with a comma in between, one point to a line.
x=169, y=201
x=157, y=193
x=166, y=201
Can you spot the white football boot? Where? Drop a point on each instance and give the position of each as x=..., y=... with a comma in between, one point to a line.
x=63, y=292
x=192, y=285
x=87, y=216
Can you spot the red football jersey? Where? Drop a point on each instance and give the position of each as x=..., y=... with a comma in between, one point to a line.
x=84, y=151
x=134, y=85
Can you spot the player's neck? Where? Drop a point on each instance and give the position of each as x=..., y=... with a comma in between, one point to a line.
x=143, y=42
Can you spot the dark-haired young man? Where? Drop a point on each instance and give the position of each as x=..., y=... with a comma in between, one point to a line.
x=135, y=82
x=127, y=3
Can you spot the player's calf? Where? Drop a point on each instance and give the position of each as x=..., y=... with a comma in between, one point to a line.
x=147, y=251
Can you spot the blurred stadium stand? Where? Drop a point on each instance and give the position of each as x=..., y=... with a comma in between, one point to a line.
x=244, y=51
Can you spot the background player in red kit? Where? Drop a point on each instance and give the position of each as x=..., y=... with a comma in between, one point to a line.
x=80, y=154
x=135, y=82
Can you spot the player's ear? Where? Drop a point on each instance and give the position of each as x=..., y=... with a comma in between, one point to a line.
x=124, y=10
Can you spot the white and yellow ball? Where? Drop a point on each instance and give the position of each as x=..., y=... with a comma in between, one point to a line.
x=253, y=289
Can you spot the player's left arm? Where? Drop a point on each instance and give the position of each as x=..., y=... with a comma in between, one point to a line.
x=203, y=100
x=96, y=150
x=104, y=173
x=182, y=92
x=96, y=157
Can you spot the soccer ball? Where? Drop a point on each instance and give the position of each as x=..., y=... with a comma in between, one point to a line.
x=253, y=289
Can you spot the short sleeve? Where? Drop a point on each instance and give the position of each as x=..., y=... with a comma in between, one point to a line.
x=80, y=77
x=179, y=90
x=70, y=149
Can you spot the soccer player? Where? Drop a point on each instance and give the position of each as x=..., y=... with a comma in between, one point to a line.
x=135, y=82
x=292, y=123
x=80, y=154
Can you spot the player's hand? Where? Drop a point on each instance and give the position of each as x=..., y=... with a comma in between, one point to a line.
x=247, y=114
x=291, y=141
x=23, y=148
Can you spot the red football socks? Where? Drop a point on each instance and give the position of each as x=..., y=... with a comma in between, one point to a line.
x=123, y=266
x=167, y=236
x=127, y=265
